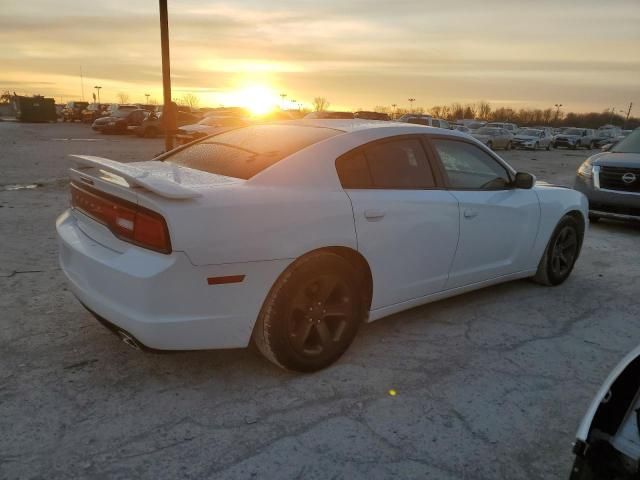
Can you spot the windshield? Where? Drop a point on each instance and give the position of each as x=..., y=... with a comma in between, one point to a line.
x=245, y=152
x=529, y=132
x=488, y=131
x=630, y=144
x=573, y=131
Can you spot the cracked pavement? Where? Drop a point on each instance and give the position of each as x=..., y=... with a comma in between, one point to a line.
x=491, y=384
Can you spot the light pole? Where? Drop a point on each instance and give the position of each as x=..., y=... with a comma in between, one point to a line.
x=411, y=100
x=147, y=95
x=557, y=105
x=168, y=114
x=393, y=112
x=98, y=87
x=282, y=97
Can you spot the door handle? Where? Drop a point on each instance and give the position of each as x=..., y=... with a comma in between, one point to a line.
x=373, y=214
x=470, y=213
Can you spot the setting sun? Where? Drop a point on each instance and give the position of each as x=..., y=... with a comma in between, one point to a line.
x=258, y=99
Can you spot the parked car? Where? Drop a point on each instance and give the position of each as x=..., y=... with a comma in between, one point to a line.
x=493, y=137
x=426, y=120
x=611, y=181
x=94, y=111
x=605, y=136
x=461, y=128
x=607, y=443
x=372, y=115
x=327, y=115
x=73, y=111
x=120, y=121
x=510, y=127
x=207, y=126
x=152, y=125
x=120, y=107
x=574, y=138
x=533, y=139
x=291, y=235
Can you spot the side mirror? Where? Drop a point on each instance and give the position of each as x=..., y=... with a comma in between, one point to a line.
x=524, y=180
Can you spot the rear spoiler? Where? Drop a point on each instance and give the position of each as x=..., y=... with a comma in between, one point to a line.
x=135, y=176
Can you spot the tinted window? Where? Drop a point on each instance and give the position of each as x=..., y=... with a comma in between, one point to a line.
x=469, y=167
x=245, y=152
x=395, y=164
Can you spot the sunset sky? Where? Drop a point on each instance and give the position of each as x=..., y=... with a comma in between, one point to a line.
x=358, y=54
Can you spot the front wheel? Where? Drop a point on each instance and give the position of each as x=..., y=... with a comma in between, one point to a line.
x=536, y=146
x=508, y=147
x=548, y=146
x=561, y=254
x=312, y=313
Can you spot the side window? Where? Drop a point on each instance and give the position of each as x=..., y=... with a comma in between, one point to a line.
x=393, y=165
x=468, y=167
x=435, y=123
x=353, y=171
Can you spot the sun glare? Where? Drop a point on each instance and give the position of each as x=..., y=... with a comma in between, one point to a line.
x=258, y=99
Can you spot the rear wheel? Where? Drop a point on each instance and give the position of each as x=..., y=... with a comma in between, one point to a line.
x=311, y=315
x=561, y=254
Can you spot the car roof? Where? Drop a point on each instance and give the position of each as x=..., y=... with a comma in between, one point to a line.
x=359, y=125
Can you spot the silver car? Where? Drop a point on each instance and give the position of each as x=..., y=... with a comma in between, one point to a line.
x=494, y=137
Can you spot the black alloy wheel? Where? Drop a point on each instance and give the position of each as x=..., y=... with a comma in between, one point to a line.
x=312, y=313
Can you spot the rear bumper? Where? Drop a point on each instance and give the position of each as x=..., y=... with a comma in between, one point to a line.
x=163, y=301
x=609, y=203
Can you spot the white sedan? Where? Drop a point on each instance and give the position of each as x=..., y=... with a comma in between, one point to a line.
x=292, y=234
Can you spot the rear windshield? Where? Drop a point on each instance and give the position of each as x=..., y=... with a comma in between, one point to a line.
x=245, y=152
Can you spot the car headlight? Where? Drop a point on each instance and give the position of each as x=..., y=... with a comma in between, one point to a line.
x=586, y=169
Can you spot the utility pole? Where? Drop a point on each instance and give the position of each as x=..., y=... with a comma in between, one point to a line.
x=168, y=113
x=147, y=95
x=393, y=112
x=81, y=83
x=411, y=100
x=626, y=119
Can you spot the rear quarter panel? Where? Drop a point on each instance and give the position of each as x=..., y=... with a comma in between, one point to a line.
x=249, y=223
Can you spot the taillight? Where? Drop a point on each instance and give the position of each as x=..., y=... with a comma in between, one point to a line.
x=126, y=220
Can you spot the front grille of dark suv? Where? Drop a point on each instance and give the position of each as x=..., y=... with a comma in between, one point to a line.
x=613, y=178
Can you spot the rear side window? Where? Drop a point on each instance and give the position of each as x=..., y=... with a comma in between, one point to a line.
x=245, y=152
x=393, y=165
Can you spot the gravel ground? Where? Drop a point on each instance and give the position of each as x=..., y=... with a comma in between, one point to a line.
x=491, y=384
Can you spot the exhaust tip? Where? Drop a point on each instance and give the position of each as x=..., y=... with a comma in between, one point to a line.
x=129, y=340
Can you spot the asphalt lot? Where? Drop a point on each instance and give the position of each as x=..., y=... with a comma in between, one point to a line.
x=489, y=385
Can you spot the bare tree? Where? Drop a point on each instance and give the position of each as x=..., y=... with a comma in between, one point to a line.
x=436, y=111
x=122, y=97
x=6, y=97
x=381, y=109
x=320, y=104
x=190, y=100
x=484, y=110
x=153, y=101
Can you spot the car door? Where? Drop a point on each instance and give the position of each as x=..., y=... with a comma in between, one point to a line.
x=498, y=223
x=407, y=225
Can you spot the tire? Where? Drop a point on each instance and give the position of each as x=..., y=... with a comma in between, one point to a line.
x=536, y=146
x=490, y=145
x=508, y=147
x=548, y=146
x=561, y=253
x=592, y=145
x=594, y=218
x=294, y=330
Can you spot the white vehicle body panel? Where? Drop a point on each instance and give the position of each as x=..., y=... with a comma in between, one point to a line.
x=421, y=249
x=587, y=420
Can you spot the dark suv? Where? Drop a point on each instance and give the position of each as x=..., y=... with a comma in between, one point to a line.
x=72, y=111
x=611, y=181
